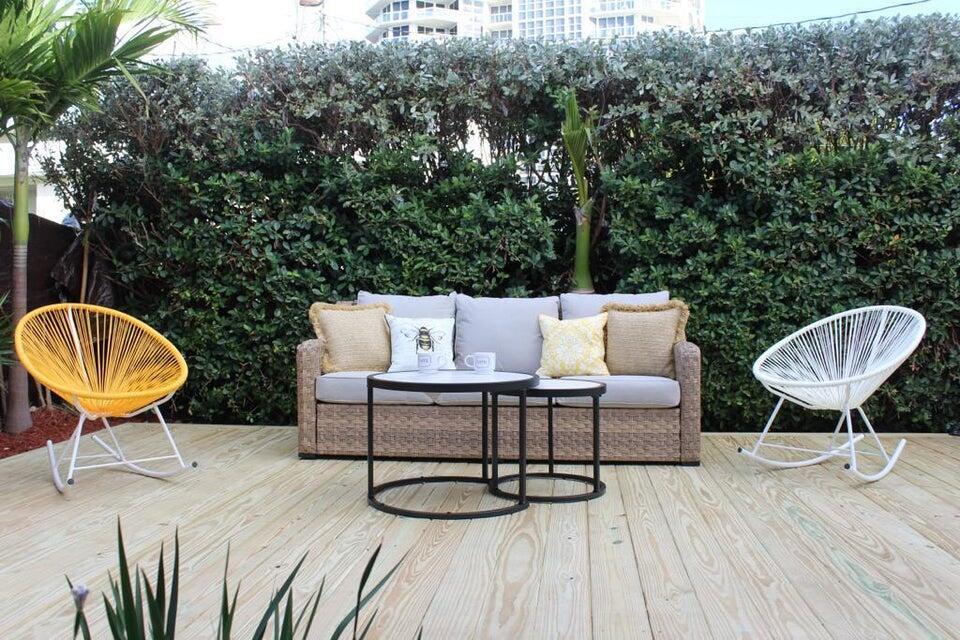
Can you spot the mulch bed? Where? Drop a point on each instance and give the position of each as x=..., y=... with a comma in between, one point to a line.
x=50, y=424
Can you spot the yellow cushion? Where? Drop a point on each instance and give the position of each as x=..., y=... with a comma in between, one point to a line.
x=572, y=347
x=640, y=337
x=355, y=337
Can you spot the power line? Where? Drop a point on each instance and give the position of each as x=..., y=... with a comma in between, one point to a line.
x=225, y=50
x=842, y=15
x=368, y=24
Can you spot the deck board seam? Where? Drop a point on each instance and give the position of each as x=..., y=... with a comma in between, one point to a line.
x=673, y=539
x=636, y=560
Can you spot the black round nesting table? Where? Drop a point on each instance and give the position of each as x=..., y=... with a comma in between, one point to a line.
x=452, y=381
x=552, y=389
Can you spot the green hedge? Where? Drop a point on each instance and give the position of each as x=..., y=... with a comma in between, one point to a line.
x=768, y=179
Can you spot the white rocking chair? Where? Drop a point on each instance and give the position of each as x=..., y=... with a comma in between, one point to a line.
x=836, y=364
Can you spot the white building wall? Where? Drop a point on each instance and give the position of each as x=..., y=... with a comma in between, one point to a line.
x=43, y=199
x=551, y=20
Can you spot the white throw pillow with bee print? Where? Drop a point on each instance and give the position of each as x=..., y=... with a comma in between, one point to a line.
x=410, y=336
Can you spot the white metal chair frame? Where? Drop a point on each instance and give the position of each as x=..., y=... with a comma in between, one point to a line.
x=836, y=364
x=115, y=452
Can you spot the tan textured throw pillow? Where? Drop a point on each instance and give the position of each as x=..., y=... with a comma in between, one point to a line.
x=355, y=337
x=640, y=337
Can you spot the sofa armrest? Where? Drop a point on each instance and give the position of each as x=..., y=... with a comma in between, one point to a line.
x=309, y=356
x=686, y=355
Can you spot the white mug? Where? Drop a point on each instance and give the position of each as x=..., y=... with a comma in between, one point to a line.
x=430, y=362
x=481, y=361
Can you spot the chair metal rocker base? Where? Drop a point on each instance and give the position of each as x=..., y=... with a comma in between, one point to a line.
x=114, y=454
x=847, y=449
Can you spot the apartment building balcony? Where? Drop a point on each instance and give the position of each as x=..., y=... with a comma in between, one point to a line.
x=432, y=17
x=615, y=7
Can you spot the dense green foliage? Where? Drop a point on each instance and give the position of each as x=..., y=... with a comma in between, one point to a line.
x=768, y=179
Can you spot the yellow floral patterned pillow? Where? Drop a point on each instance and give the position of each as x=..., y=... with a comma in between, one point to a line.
x=573, y=347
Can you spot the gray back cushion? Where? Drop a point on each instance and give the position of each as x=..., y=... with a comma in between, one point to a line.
x=507, y=326
x=414, y=306
x=583, y=305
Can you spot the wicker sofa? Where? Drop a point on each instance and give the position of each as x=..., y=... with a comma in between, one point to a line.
x=664, y=430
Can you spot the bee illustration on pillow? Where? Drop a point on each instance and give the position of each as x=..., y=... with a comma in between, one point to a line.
x=424, y=338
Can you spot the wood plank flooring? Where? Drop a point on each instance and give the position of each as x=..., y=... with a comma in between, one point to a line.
x=724, y=550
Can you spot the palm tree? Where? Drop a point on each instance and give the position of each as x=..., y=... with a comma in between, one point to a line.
x=56, y=55
x=577, y=135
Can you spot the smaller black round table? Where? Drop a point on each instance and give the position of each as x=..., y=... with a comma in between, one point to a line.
x=552, y=389
x=450, y=381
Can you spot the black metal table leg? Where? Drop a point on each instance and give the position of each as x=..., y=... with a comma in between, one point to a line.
x=495, y=434
x=483, y=437
x=550, y=435
x=596, y=444
x=370, y=493
x=522, y=453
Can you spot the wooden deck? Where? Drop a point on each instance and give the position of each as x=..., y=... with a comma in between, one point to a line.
x=725, y=550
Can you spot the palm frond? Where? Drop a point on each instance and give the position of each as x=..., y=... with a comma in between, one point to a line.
x=577, y=137
x=64, y=51
x=191, y=16
x=27, y=30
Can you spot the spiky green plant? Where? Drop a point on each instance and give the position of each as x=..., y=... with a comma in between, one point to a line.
x=137, y=605
x=577, y=133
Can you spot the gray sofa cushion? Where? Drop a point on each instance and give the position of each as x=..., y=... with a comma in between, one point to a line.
x=473, y=399
x=630, y=392
x=413, y=306
x=507, y=326
x=350, y=387
x=582, y=305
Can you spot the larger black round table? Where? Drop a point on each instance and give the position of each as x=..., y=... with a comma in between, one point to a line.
x=451, y=382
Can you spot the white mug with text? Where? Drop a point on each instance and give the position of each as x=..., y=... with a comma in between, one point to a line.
x=430, y=362
x=481, y=361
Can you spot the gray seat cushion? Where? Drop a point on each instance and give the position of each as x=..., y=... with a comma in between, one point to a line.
x=473, y=399
x=350, y=387
x=583, y=305
x=413, y=306
x=630, y=392
x=508, y=327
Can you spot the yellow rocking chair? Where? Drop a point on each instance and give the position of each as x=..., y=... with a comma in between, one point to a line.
x=107, y=365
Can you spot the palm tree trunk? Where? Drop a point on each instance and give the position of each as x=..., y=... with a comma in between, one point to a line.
x=582, y=279
x=18, y=405
x=84, y=266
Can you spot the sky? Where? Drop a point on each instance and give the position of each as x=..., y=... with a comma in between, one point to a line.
x=731, y=14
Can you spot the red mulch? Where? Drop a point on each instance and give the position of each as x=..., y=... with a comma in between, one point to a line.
x=49, y=424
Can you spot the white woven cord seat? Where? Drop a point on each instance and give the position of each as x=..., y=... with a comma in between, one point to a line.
x=836, y=364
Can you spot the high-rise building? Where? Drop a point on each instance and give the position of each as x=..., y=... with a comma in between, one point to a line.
x=619, y=18
x=534, y=19
x=425, y=19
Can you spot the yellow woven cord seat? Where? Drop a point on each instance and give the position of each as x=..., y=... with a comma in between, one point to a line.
x=106, y=364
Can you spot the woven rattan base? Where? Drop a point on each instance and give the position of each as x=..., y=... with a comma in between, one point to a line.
x=433, y=432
